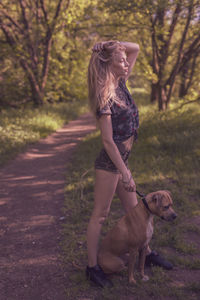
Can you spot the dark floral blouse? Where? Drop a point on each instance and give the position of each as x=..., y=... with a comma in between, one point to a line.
x=125, y=119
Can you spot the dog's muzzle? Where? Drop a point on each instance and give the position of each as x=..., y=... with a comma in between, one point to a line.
x=170, y=217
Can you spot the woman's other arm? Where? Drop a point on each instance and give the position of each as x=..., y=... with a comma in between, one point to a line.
x=105, y=124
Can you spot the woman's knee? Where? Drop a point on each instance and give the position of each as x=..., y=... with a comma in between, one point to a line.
x=100, y=217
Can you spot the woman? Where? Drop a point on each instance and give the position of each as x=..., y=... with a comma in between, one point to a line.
x=110, y=66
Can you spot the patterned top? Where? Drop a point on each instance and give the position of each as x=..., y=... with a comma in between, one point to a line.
x=125, y=120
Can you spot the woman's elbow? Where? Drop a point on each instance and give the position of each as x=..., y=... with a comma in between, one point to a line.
x=137, y=47
x=107, y=142
x=134, y=47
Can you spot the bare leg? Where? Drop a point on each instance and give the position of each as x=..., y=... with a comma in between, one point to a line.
x=105, y=186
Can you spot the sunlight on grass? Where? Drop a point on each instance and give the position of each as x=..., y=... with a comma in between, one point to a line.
x=24, y=126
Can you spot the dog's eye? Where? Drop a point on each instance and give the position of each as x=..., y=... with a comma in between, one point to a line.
x=166, y=207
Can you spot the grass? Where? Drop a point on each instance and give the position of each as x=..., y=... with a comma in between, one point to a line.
x=19, y=127
x=166, y=156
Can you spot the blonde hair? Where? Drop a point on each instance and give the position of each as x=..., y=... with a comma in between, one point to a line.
x=101, y=81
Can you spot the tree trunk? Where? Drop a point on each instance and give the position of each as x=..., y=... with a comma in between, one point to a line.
x=37, y=90
x=154, y=93
x=183, y=90
x=162, y=101
x=37, y=95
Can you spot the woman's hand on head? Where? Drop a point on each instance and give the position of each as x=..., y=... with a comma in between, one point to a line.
x=101, y=45
x=98, y=47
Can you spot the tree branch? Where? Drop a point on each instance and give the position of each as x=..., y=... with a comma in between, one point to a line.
x=186, y=103
x=44, y=11
x=49, y=35
x=9, y=38
x=155, y=55
x=15, y=23
x=192, y=50
x=193, y=67
x=58, y=8
x=24, y=16
x=177, y=64
x=171, y=30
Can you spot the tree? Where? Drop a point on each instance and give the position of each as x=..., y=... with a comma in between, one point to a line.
x=29, y=28
x=189, y=71
x=168, y=33
x=70, y=53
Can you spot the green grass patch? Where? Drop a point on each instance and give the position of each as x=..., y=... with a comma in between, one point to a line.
x=19, y=127
x=166, y=156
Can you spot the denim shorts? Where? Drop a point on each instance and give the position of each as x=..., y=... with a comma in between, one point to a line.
x=104, y=162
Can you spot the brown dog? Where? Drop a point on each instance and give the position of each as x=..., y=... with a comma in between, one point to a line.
x=133, y=233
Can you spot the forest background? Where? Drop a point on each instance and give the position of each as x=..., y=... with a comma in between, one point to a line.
x=45, y=47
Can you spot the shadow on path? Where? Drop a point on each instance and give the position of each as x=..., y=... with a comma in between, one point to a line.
x=31, y=198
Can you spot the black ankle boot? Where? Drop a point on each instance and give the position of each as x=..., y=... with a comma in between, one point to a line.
x=154, y=259
x=96, y=275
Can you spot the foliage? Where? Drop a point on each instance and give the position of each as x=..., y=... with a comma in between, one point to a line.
x=170, y=42
x=65, y=60
x=45, y=47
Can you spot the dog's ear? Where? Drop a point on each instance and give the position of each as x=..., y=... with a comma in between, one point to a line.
x=168, y=192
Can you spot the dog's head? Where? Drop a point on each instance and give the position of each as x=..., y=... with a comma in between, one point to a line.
x=160, y=203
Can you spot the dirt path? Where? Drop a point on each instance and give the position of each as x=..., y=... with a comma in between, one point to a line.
x=31, y=198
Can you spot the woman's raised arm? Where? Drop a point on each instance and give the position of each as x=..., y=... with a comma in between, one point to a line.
x=132, y=50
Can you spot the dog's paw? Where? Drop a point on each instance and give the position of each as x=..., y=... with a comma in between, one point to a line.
x=145, y=278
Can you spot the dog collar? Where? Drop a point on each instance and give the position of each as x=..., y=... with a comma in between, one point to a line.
x=144, y=201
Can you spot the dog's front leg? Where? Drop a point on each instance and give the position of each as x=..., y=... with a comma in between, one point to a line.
x=142, y=256
x=131, y=264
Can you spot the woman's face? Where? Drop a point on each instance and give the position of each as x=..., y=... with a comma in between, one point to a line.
x=119, y=65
